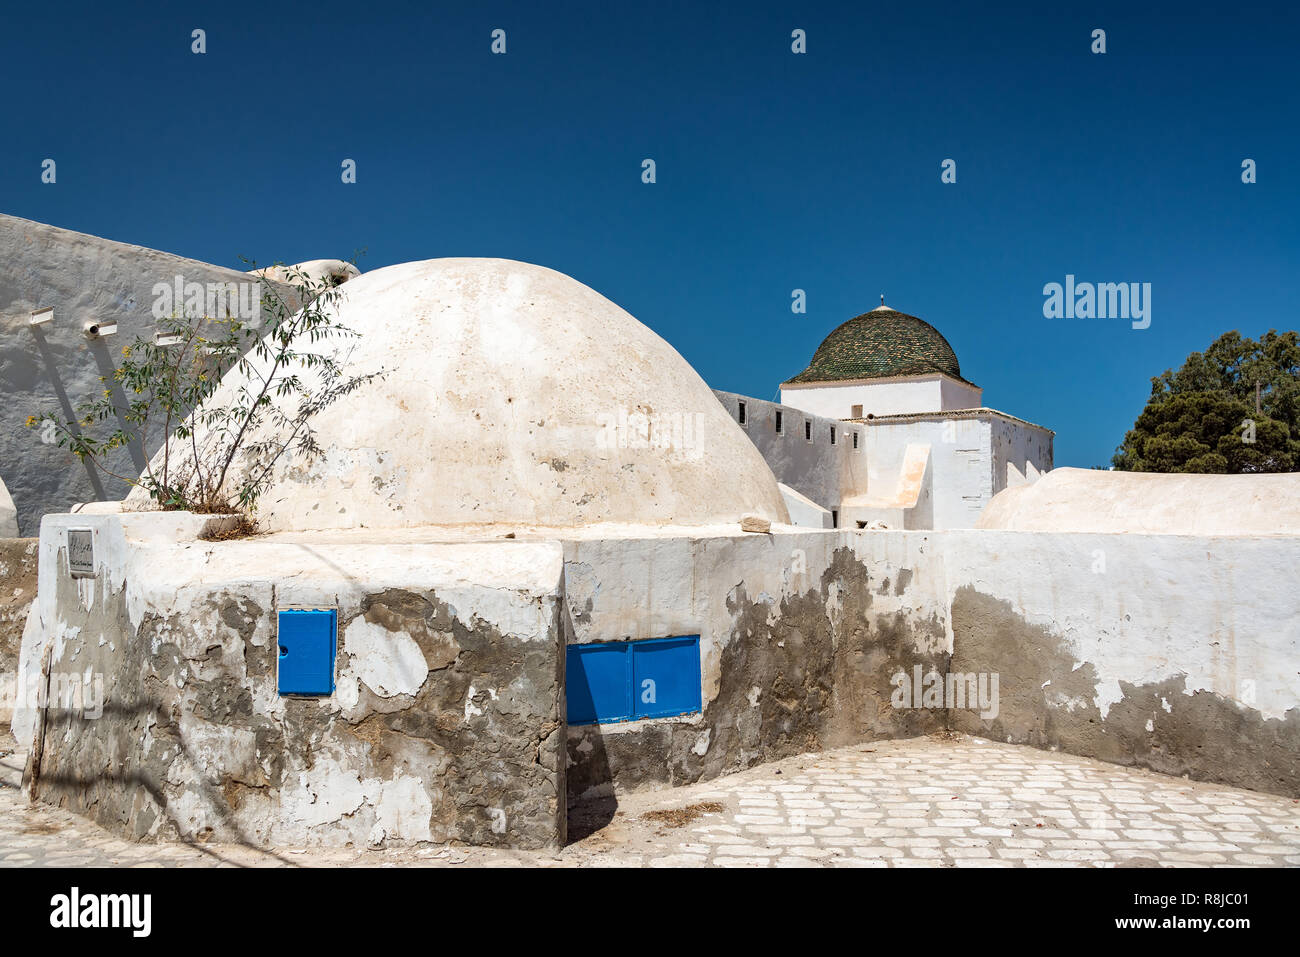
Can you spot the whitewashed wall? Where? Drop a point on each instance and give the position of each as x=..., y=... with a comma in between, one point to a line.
x=969, y=458
x=1021, y=452
x=960, y=464
x=890, y=396
x=823, y=472
x=1177, y=653
x=54, y=367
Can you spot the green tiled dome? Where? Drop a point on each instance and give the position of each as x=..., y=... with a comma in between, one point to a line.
x=879, y=343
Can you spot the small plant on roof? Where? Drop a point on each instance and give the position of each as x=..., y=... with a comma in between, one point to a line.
x=225, y=441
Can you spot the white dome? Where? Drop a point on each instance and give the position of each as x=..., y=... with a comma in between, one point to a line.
x=1149, y=503
x=510, y=394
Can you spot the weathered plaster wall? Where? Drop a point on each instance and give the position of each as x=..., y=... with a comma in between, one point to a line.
x=55, y=366
x=799, y=635
x=17, y=593
x=446, y=723
x=1176, y=653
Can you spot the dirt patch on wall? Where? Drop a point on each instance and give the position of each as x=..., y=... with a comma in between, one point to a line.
x=871, y=647
x=1049, y=700
x=810, y=672
x=486, y=718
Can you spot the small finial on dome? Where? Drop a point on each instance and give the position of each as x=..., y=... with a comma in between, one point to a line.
x=882, y=298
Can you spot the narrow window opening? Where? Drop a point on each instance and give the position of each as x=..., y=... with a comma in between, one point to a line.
x=832, y=435
x=835, y=518
x=742, y=416
x=780, y=425
x=855, y=441
x=807, y=430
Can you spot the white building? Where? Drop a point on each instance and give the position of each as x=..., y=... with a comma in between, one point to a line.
x=914, y=447
x=883, y=362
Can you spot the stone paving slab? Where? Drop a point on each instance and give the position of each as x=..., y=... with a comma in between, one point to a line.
x=940, y=801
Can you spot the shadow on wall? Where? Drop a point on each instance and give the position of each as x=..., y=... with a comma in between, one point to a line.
x=594, y=811
x=82, y=288
x=591, y=812
x=65, y=405
x=81, y=793
x=104, y=361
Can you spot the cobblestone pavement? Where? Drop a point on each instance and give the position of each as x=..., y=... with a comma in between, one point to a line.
x=939, y=801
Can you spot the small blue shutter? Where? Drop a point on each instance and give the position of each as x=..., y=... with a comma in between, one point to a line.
x=307, y=641
x=666, y=676
x=629, y=680
x=597, y=682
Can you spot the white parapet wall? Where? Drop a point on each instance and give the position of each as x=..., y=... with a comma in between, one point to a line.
x=799, y=633
x=1177, y=653
x=1180, y=653
x=1217, y=615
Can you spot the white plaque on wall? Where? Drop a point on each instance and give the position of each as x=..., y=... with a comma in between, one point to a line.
x=81, y=552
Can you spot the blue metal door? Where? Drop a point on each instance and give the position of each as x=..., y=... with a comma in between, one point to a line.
x=614, y=681
x=597, y=683
x=666, y=676
x=307, y=640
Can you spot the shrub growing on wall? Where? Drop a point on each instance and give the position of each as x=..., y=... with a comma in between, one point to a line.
x=225, y=444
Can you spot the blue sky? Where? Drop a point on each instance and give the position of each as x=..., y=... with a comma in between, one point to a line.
x=775, y=171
